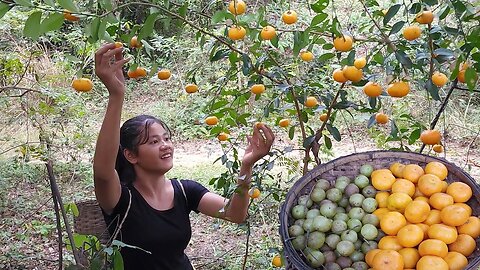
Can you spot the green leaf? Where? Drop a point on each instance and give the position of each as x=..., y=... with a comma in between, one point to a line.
x=68, y=4
x=291, y=132
x=247, y=64
x=393, y=129
x=318, y=19
x=432, y=89
x=117, y=260
x=297, y=42
x=4, y=8
x=220, y=54
x=414, y=136
x=470, y=78
x=396, y=27
x=94, y=29
x=336, y=27
x=325, y=57
x=106, y=4
x=53, y=22
x=371, y=121
x=372, y=101
x=403, y=58
x=334, y=131
x=31, y=28
x=219, y=16
x=308, y=141
x=443, y=13
x=147, y=28
x=392, y=11
x=430, y=2
x=218, y=105
x=443, y=52
x=319, y=6
x=378, y=57
x=182, y=11
x=415, y=8
x=50, y=2
x=328, y=142
x=25, y=3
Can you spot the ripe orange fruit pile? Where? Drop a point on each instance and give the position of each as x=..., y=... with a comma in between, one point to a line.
x=427, y=223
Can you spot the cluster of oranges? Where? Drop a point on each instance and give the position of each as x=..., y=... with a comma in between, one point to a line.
x=426, y=221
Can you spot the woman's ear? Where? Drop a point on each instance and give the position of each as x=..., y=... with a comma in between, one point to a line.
x=130, y=156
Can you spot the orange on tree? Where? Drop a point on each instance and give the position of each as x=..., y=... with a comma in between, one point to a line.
x=403, y=186
x=433, y=217
x=268, y=33
x=431, y=262
x=461, y=75
x=389, y=242
x=360, y=62
x=424, y=17
x=398, y=89
x=442, y=232
x=306, y=56
x=412, y=32
x=289, y=17
x=433, y=247
x=398, y=202
x=410, y=257
x=460, y=192
x=284, y=122
x=236, y=32
x=323, y=117
x=211, y=120
x=439, y=79
x=397, y=169
x=254, y=193
x=471, y=227
x=277, y=261
x=372, y=89
x=311, y=101
x=437, y=148
x=338, y=76
x=382, y=179
x=137, y=73
x=410, y=235
x=429, y=184
x=456, y=260
x=392, y=222
x=343, y=43
x=381, y=198
x=164, y=74
x=257, y=89
x=191, y=88
x=454, y=215
x=237, y=7
x=352, y=73
x=135, y=43
x=222, y=136
x=381, y=118
x=67, y=15
x=431, y=136
x=388, y=259
x=370, y=255
x=82, y=85
x=440, y=200
x=465, y=244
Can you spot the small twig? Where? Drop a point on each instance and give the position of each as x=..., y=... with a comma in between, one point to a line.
x=466, y=89
x=244, y=265
x=19, y=88
x=349, y=131
x=470, y=147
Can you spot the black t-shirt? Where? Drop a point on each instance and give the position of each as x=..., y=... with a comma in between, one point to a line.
x=165, y=234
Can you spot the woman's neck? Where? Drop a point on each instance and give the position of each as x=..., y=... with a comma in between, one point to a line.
x=150, y=184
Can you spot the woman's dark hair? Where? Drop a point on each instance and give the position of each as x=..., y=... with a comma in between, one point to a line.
x=133, y=133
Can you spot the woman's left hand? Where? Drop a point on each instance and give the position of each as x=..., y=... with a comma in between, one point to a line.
x=259, y=144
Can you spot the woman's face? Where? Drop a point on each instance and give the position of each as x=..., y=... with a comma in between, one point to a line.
x=157, y=153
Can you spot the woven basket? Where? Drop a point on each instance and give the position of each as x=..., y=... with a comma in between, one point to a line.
x=349, y=166
x=90, y=221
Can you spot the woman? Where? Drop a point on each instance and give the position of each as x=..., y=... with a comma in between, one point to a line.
x=132, y=190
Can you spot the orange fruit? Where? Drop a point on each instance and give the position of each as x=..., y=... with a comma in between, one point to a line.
x=236, y=32
x=417, y=211
x=82, y=85
x=410, y=257
x=67, y=15
x=403, y=186
x=454, y=215
x=397, y=169
x=135, y=43
x=398, y=202
x=389, y=243
x=222, y=136
x=424, y=17
x=352, y=73
x=437, y=168
x=360, y=62
x=118, y=44
x=380, y=212
x=381, y=198
x=141, y=72
x=307, y=56
x=289, y=17
x=381, y=118
x=412, y=32
x=471, y=227
x=338, y=76
x=412, y=172
x=284, y=122
x=257, y=89
x=277, y=261
x=422, y=198
x=433, y=247
x=191, y=88
x=444, y=186
x=268, y=33
x=392, y=222
x=461, y=75
x=370, y=255
x=323, y=117
x=372, y=89
x=410, y=235
x=398, y=89
x=430, y=137
x=433, y=217
x=456, y=260
x=164, y=74
x=465, y=244
x=429, y=184
x=211, y=120
x=388, y=259
x=442, y=232
x=311, y=102
x=382, y=179
x=237, y=7
x=440, y=200
x=343, y=44
x=418, y=193
x=437, y=148
x=460, y=192
x=254, y=193
x=439, y=79
x=431, y=262
x=464, y=206
x=424, y=228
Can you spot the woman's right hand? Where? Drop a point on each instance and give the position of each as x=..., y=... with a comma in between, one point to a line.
x=108, y=67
